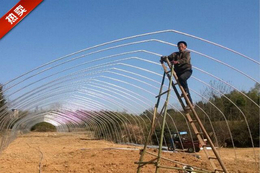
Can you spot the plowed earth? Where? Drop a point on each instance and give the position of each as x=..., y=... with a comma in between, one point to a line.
x=76, y=153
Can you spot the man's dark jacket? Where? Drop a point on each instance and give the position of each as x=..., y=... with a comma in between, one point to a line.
x=184, y=61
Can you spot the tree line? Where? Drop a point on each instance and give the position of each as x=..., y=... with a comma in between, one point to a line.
x=231, y=119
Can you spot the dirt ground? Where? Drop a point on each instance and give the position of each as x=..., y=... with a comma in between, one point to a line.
x=75, y=153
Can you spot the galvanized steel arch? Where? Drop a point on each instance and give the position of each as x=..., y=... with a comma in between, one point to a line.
x=120, y=96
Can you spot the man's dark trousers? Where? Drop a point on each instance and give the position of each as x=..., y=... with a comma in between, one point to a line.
x=183, y=77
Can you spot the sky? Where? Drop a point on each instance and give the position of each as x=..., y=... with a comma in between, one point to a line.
x=57, y=28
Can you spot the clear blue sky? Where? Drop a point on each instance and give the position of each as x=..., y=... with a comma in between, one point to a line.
x=56, y=28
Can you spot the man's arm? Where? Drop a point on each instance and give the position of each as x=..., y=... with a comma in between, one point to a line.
x=171, y=57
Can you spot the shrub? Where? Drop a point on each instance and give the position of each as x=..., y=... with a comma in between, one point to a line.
x=43, y=127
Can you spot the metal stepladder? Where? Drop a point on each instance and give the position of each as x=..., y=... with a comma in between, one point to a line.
x=212, y=159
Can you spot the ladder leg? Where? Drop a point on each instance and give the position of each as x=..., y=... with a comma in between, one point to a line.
x=210, y=141
x=163, y=123
x=147, y=139
x=152, y=126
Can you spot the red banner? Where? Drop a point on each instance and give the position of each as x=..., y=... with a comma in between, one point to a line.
x=16, y=14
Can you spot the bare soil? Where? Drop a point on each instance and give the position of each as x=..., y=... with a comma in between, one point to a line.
x=75, y=153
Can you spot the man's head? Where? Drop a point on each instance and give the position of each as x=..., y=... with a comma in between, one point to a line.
x=182, y=45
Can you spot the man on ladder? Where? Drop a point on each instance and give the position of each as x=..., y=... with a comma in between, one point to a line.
x=182, y=66
x=180, y=73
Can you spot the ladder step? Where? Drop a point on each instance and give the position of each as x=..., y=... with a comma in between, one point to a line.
x=212, y=157
x=168, y=72
x=182, y=95
x=162, y=93
x=199, y=133
x=191, y=121
x=218, y=170
x=144, y=163
x=187, y=108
